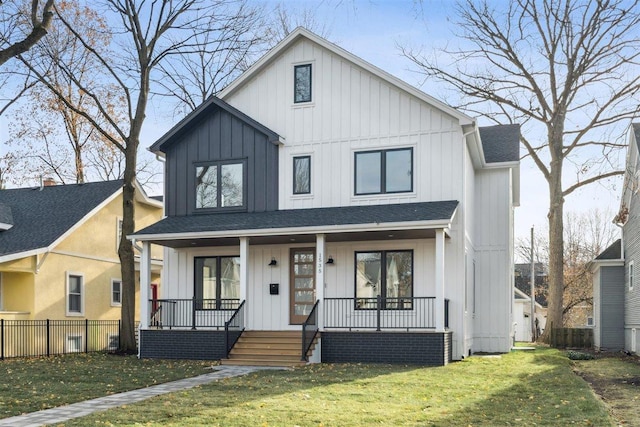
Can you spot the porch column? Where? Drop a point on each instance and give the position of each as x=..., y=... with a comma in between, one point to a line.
x=145, y=283
x=244, y=273
x=439, y=280
x=320, y=250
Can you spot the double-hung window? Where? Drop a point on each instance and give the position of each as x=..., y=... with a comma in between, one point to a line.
x=302, y=83
x=217, y=282
x=116, y=292
x=384, y=171
x=384, y=274
x=75, y=297
x=220, y=185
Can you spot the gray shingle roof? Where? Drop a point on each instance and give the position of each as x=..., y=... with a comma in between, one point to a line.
x=294, y=218
x=501, y=143
x=612, y=252
x=40, y=217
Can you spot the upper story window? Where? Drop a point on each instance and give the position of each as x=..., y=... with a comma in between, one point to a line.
x=302, y=83
x=302, y=175
x=220, y=185
x=384, y=171
x=75, y=294
x=116, y=292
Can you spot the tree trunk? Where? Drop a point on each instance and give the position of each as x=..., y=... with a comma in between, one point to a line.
x=126, y=254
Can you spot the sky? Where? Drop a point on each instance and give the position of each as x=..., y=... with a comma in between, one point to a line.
x=373, y=30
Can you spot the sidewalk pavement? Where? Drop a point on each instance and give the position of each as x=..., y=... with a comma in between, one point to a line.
x=81, y=409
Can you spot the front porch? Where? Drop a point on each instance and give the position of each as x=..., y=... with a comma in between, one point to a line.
x=377, y=330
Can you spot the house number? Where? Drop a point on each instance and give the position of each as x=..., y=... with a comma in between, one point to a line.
x=319, y=263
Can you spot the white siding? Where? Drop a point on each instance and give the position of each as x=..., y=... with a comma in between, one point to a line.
x=351, y=110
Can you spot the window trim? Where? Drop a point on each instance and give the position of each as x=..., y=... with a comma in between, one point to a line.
x=631, y=273
x=113, y=302
x=295, y=68
x=219, y=164
x=383, y=171
x=306, y=156
x=383, y=275
x=70, y=313
x=218, y=304
x=80, y=347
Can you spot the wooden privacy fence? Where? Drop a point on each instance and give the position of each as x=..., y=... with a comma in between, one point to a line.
x=572, y=337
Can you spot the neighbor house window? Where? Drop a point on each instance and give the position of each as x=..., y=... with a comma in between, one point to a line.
x=75, y=296
x=302, y=175
x=74, y=343
x=217, y=282
x=631, y=275
x=116, y=292
x=118, y=233
x=384, y=171
x=220, y=185
x=388, y=274
x=302, y=83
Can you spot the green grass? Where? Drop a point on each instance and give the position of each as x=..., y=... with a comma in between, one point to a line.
x=520, y=388
x=29, y=385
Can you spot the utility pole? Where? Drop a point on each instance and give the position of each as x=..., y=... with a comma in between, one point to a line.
x=533, y=293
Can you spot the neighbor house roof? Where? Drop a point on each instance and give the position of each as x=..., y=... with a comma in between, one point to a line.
x=501, y=143
x=203, y=109
x=299, y=220
x=43, y=215
x=612, y=252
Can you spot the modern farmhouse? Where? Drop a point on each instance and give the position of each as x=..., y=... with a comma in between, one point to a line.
x=320, y=209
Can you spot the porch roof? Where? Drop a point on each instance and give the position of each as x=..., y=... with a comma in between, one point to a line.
x=372, y=222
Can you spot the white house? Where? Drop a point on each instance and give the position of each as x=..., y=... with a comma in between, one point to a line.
x=322, y=205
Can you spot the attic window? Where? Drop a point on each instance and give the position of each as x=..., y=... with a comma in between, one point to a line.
x=302, y=83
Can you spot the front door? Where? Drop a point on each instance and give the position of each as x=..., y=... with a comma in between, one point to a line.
x=302, y=294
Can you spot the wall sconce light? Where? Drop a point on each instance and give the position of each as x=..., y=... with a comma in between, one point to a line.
x=273, y=262
x=330, y=260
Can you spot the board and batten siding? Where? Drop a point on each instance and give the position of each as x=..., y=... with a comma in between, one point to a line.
x=611, y=317
x=221, y=136
x=351, y=110
x=494, y=262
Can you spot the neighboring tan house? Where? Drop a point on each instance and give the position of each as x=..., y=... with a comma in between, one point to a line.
x=321, y=209
x=58, y=250
x=616, y=291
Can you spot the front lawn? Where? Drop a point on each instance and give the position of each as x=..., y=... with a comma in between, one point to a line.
x=520, y=388
x=30, y=385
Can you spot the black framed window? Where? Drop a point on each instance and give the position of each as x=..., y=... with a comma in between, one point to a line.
x=384, y=171
x=302, y=83
x=217, y=282
x=302, y=175
x=387, y=274
x=220, y=185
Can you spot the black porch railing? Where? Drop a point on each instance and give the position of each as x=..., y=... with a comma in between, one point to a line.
x=309, y=331
x=191, y=313
x=233, y=328
x=382, y=313
x=29, y=338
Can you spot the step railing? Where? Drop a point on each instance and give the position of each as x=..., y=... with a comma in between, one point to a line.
x=236, y=321
x=309, y=331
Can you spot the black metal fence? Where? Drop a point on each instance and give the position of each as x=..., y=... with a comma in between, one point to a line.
x=25, y=338
x=191, y=313
x=382, y=313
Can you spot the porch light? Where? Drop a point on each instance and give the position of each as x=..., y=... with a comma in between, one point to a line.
x=273, y=262
x=330, y=259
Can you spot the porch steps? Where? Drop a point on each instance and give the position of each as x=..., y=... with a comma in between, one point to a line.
x=267, y=348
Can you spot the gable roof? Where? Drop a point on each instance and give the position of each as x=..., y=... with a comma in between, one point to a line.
x=612, y=252
x=301, y=32
x=206, y=108
x=500, y=143
x=41, y=216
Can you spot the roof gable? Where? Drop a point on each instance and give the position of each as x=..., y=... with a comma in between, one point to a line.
x=206, y=108
x=612, y=252
x=41, y=216
x=500, y=143
x=302, y=33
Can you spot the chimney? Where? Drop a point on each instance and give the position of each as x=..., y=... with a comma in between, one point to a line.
x=49, y=182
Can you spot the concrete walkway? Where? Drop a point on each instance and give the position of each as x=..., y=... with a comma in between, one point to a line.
x=81, y=409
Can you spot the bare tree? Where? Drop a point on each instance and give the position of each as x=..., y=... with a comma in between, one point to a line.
x=19, y=30
x=287, y=18
x=567, y=68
